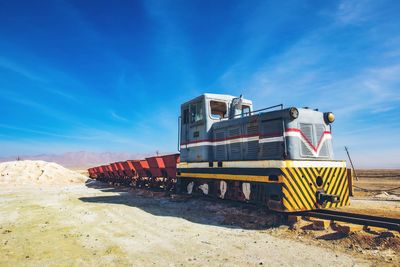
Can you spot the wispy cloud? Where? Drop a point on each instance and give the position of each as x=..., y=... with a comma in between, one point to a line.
x=117, y=117
x=21, y=70
x=86, y=135
x=356, y=78
x=353, y=11
x=382, y=109
x=45, y=109
x=306, y=72
x=56, y=83
x=40, y=132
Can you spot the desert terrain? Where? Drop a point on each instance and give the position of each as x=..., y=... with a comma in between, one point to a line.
x=75, y=221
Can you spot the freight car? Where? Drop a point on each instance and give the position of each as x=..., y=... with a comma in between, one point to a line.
x=152, y=172
x=278, y=157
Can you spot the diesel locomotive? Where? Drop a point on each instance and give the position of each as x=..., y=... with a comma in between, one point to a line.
x=278, y=157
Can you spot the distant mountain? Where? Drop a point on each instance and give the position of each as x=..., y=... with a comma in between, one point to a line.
x=81, y=159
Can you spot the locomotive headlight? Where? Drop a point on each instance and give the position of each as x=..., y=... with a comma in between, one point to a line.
x=329, y=117
x=294, y=113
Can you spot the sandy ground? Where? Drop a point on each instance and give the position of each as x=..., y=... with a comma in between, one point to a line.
x=374, y=207
x=374, y=194
x=93, y=225
x=50, y=217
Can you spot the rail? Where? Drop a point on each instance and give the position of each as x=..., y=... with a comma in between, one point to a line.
x=355, y=218
x=258, y=110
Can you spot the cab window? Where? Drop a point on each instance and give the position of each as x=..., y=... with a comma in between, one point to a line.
x=196, y=112
x=218, y=109
x=245, y=111
x=186, y=116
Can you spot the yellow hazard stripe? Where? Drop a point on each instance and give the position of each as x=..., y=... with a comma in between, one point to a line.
x=305, y=188
x=306, y=183
x=287, y=205
x=236, y=177
x=290, y=200
x=296, y=191
x=343, y=187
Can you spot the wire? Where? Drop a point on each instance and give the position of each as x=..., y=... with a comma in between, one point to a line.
x=378, y=190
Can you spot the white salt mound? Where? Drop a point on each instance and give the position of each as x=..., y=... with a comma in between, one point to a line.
x=29, y=172
x=386, y=196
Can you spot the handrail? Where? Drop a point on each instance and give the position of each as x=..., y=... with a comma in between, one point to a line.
x=254, y=111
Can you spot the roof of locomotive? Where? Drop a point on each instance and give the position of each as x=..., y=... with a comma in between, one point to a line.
x=217, y=97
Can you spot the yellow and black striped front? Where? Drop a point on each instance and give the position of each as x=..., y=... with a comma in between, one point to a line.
x=300, y=187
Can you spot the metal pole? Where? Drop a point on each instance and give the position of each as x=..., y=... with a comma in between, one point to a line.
x=284, y=139
x=179, y=133
x=351, y=162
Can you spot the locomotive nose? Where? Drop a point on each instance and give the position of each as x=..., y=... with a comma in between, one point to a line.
x=323, y=198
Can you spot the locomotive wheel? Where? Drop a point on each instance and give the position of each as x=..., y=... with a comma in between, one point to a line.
x=189, y=187
x=246, y=190
x=204, y=188
x=223, y=187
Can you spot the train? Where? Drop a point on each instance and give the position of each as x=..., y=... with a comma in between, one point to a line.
x=279, y=157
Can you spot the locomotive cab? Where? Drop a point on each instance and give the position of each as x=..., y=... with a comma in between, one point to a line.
x=197, y=118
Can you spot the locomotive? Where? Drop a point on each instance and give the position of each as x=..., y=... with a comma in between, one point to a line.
x=281, y=158
x=278, y=157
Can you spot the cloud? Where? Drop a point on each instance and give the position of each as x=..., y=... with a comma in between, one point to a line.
x=353, y=11
x=56, y=83
x=23, y=71
x=354, y=75
x=85, y=136
x=45, y=108
x=382, y=109
x=40, y=132
x=117, y=117
x=19, y=99
x=306, y=72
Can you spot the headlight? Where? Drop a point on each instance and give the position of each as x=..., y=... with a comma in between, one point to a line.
x=294, y=113
x=329, y=117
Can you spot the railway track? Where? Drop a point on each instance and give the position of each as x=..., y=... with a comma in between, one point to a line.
x=354, y=218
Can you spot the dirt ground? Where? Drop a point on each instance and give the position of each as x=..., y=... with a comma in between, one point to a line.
x=93, y=224
x=377, y=192
x=371, y=182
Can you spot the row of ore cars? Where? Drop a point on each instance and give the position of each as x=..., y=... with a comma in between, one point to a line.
x=157, y=171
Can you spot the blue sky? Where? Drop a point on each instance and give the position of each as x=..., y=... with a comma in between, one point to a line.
x=110, y=75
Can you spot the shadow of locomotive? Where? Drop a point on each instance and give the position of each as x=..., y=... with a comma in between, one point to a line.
x=195, y=209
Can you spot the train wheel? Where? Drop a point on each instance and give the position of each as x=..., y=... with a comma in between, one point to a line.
x=246, y=189
x=171, y=185
x=204, y=188
x=222, y=189
x=190, y=188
